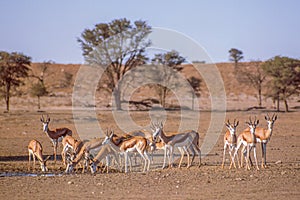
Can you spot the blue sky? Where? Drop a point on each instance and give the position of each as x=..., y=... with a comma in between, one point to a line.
x=47, y=30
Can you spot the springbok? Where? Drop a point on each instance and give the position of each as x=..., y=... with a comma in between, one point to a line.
x=35, y=150
x=186, y=140
x=248, y=139
x=68, y=143
x=230, y=140
x=105, y=151
x=55, y=136
x=263, y=136
x=134, y=143
x=85, y=154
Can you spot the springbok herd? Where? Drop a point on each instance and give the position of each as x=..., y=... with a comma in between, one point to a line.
x=144, y=143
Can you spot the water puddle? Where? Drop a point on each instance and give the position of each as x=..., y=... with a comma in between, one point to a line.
x=17, y=174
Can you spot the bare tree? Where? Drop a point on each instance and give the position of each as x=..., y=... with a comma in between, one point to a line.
x=254, y=76
x=39, y=89
x=166, y=60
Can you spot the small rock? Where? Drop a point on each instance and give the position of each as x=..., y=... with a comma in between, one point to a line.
x=283, y=173
x=70, y=182
x=238, y=179
x=251, y=176
x=177, y=186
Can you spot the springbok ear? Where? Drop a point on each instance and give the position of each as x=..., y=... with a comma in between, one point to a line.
x=275, y=118
x=257, y=122
x=266, y=118
x=237, y=123
x=42, y=118
x=48, y=118
x=227, y=123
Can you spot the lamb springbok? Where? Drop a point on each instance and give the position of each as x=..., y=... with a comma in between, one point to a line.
x=230, y=141
x=70, y=143
x=248, y=139
x=35, y=150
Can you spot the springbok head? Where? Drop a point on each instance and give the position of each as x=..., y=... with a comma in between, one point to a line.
x=43, y=164
x=108, y=136
x=232, y=127
x=270, y=120
x=157, y=129
x=45, y=122
x=252, y=125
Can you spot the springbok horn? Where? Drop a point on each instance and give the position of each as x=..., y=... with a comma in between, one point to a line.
x=152, y=125
x=273, y=116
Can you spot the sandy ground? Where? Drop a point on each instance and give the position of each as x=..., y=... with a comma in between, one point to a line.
x=280, y=180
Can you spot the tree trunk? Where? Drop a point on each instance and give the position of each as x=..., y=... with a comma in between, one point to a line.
x=39, y=105
x=278, y=99
x=193, y=101
x=7, y=96
x=117, y=95
x=286, y=105
x=164, y=94
x=259, y=97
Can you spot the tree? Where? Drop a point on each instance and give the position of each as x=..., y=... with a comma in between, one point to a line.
x=195, y=83
x=41, y=74
x=253, y=76
x=38, y=89
x=13, y=67
x=170, y=59
x=285, y=78
x=117, y=47
x=235, y=55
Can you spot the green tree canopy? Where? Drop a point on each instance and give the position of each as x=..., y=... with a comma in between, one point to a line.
x=235, y=55
x=285, y=78
x=117, y=47
x=13, y=67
